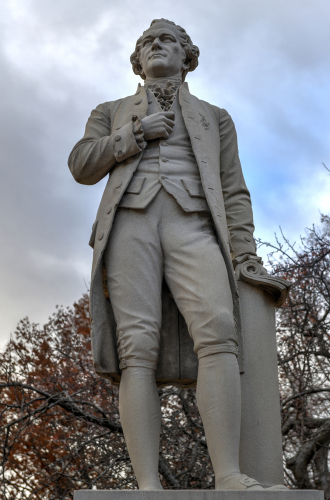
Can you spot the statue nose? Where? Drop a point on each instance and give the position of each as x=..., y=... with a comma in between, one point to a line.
x=156, y=44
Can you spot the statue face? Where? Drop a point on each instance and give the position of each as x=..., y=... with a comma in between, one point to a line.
x=161, y=53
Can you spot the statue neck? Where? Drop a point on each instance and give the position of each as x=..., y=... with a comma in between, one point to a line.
x=174, y=80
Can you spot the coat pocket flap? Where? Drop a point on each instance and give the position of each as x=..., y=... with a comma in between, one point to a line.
x=194, y=188
x=92, y=238
x=135, y=185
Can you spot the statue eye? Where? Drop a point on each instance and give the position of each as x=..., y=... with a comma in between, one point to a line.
x=146, y=43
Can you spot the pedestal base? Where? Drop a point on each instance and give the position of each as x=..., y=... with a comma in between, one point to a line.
x=197, y=495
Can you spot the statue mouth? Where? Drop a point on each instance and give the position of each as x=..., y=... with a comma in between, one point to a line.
x=156, y=55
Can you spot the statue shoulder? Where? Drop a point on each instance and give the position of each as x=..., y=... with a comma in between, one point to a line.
x=109, y=106
x=210, y=108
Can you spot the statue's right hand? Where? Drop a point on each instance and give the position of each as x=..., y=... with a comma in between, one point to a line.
x=158, y=125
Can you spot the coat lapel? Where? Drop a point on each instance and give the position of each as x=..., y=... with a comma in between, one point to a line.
x=203, y=128
x=136, y=104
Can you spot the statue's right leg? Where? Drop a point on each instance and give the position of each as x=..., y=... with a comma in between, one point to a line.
x=134, y=265
x=140, y=416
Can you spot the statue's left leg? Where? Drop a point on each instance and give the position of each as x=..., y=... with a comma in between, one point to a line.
x=196, y=274
x=219, y=403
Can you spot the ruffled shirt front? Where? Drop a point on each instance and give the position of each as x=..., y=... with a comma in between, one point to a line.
x=164, y=89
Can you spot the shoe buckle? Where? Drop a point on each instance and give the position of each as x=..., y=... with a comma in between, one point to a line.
x=248, y=481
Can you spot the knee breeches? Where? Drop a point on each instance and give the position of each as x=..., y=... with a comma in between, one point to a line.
x=163, y=241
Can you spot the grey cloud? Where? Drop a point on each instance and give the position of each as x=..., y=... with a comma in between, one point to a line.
x=266, y=62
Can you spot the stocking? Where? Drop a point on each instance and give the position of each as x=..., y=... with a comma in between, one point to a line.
x=140, y=416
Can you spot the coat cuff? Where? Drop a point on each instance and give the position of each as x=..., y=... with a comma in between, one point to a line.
x=247, y=257
x=243, y=245
x=125, y=143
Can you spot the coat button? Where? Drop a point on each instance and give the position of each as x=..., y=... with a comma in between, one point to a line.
x=138, y=102
x=109, y=210
x=100, y=236
x=117, y=138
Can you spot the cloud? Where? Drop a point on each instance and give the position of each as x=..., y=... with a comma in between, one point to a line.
x=265, y=62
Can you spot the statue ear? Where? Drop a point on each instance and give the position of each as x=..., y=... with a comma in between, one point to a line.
x=140, y=70
x=142, y=75
x=185, y=69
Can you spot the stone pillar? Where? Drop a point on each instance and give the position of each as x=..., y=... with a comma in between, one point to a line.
x=261, y=455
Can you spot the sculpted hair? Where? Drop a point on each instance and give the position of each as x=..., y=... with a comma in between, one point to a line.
x=191, y=50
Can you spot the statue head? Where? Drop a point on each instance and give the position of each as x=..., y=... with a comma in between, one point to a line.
x=164, y=49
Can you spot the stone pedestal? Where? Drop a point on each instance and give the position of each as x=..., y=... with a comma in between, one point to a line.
x=261, y=454
x=197, y=495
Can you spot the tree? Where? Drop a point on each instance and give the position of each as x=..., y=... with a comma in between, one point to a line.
x=303, y=326
x=60, y=428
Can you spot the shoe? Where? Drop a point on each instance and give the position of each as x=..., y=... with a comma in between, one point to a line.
x=239, y=482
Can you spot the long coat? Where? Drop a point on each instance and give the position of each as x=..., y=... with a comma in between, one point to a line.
x=108, y=148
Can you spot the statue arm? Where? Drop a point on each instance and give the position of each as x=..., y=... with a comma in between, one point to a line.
x=93, y=157
x=248, y=267
x=236, y=195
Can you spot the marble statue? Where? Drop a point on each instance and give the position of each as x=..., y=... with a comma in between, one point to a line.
x=175, y=208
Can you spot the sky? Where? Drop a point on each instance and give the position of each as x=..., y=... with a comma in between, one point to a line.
x=266, y=62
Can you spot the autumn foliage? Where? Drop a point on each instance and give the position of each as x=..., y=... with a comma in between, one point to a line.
x=59, y=422
x=60, y=428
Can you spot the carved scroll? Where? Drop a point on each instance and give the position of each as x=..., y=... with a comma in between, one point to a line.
x=250, y=270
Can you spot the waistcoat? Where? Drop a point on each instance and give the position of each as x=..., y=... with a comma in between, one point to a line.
x=168, y=163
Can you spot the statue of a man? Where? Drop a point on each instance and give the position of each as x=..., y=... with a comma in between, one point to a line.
x=175, y=207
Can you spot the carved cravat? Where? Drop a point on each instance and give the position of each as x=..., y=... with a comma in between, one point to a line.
x=164, y=95
x=164, y=90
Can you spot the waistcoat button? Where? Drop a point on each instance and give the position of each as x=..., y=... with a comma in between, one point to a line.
x=163, y=177
x=164, y=159
x=117, y=138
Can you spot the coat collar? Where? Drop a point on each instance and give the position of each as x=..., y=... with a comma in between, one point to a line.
x=184, y=86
